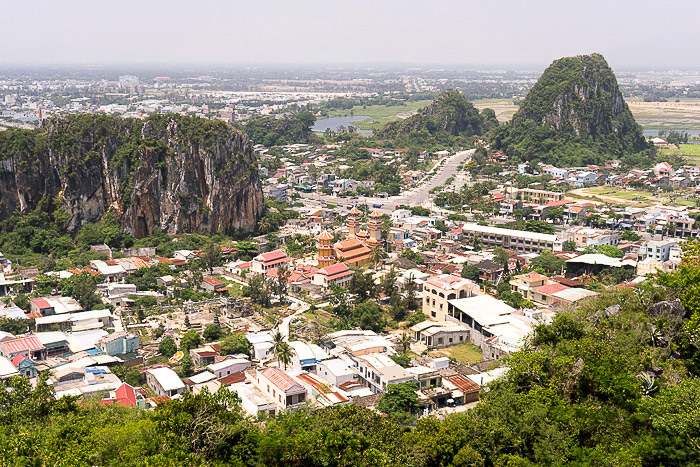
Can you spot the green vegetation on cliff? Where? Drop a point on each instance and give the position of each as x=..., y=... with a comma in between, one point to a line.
x=448, y=118
x=575, y=114
x=173, y=172
x=613, y=381
x=271, y=131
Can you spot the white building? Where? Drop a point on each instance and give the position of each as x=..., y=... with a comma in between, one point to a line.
x=253, y=400
x=165, y=382
x=228, y=367
x=659, y=250
x=336, y=371
x=283, y=388
x=377, y=371
x=519, y=241
x=262, y=344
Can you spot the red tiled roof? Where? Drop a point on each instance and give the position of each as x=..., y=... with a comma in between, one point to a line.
x=41, y=303
x=334, y=269
x=568, y=282
x=550, y=289
x=18, y=359
x=233, y=378
x=279, y=378
x=559, y=203
x=273, y=255
x=158, y=400
x=535, y=275
x=463, y=383
x=325, y=236
x=444, y=281
x=213, y=281
x=22, y=344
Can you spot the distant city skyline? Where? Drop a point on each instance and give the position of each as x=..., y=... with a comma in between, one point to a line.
x=630, y=34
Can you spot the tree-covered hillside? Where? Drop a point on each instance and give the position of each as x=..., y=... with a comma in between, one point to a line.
x=574, y=114
x=611, y=382
x=449, y=117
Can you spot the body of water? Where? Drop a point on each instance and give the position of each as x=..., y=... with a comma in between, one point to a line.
x=691, y=132
x=334, y=122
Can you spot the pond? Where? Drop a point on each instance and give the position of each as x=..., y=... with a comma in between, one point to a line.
x=334, y=122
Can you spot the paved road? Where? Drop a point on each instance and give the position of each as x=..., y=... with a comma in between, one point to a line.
x=284, y=325
x=418, y=196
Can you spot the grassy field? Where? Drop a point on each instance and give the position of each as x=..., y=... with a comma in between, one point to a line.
x=631, y=195
x=666, y=115
x=380, y=115
x=465, y=353
x=634, y=197
x=690, y=152
x=504, y=108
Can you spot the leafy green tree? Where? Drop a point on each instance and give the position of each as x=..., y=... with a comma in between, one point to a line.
x=399, y=398
x=83, y=288
x=191, y=340
x=235, y=343
x=548, y=263
x=14, y=326
x=21, y=300
x=410, y=289
x=368, y=315
x=630, y=236
x=212, y=332
x=167, y=347
x=388, y=281
x=569, y=245
x=246, y=250
x=405, y=342
x=45, y=284
x=186, y=365
x=212, y=256
x=555, y=214
x=378, y=255
x=607, y=250
x=398, y=307
x=471, y=272
x=259, y=290
x=501, y=257
x=411, y=255
x=280, y=286
x=362, y=286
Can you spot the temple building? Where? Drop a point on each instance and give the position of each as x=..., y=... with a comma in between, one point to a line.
x=356, y=250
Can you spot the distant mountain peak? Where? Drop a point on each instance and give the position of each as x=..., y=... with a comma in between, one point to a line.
x=576, y=101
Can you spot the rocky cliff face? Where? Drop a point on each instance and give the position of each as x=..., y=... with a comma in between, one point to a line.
x=179, y=174
x=575, y=102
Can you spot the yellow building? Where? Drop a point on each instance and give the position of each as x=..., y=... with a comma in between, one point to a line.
x=325, y=249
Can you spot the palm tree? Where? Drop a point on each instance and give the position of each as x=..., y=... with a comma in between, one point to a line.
x=284, y=354
x=277, y=341
x=405, y=342
x=377, y=255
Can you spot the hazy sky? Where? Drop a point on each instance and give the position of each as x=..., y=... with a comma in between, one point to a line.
x=630, y=33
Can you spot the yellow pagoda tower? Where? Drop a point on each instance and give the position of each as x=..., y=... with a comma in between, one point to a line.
x=353, y=222
x=325, y=250
x=375, y=228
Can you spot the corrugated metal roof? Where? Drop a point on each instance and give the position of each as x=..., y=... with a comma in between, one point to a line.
x=22, y=344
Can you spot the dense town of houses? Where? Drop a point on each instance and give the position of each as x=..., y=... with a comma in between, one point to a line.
x=79, y=347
